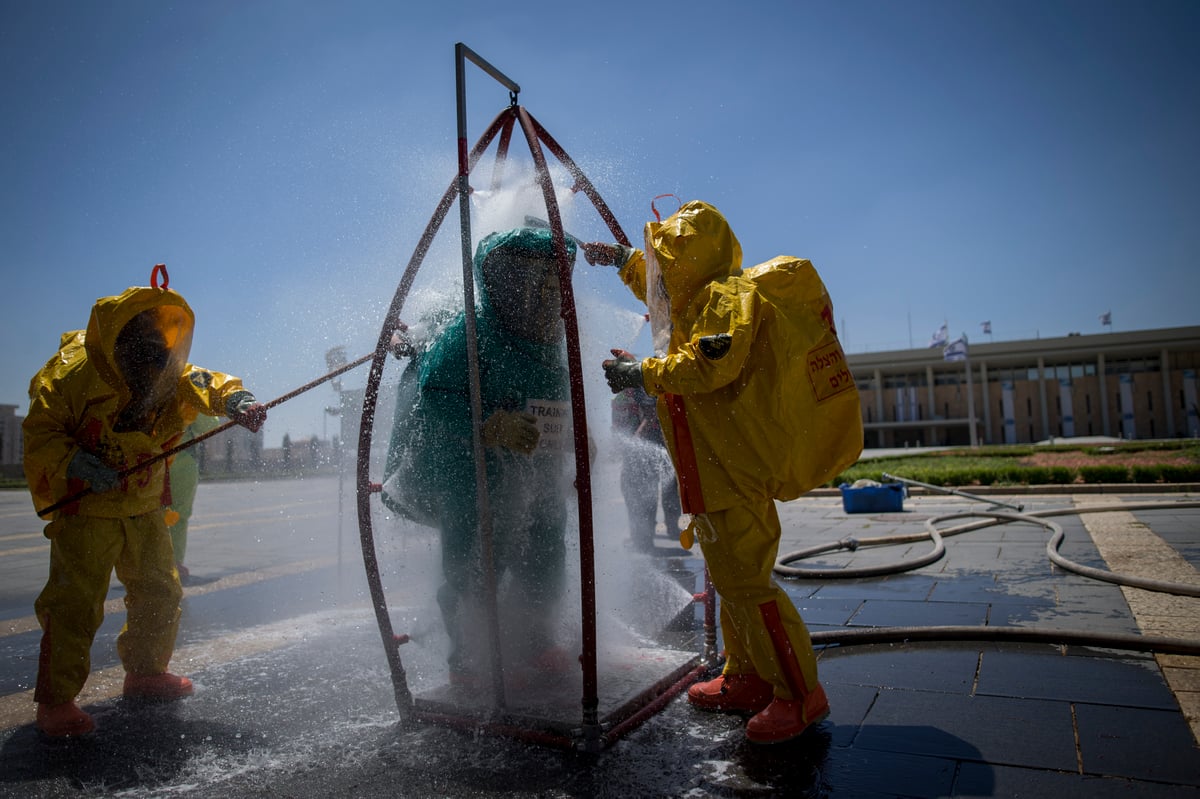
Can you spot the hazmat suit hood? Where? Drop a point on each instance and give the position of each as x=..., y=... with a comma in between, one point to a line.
x=521, y=358
x=692, y=247
x=139, y=342
x=517, y=277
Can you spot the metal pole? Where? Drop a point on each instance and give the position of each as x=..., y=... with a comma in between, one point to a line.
x=482, y=504
x=971, y=405
x=462, y=51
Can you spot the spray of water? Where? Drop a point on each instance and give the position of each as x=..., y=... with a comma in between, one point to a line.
x=635, y=599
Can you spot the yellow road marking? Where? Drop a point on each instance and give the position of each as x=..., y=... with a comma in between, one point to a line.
x=28, y=623
x=16, y=536
x=26, y=550
x=192, y=528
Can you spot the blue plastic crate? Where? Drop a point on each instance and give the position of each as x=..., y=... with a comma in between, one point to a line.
x=886, y=498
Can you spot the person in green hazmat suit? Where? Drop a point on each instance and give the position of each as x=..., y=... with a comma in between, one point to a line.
x=185, y=477
x=756, y=405
x=115, y=395
x=430, y=477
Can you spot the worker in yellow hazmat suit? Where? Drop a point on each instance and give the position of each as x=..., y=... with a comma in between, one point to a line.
x=114, y=396
x=756, y=405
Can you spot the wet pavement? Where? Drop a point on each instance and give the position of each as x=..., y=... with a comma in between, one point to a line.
x=294, y=696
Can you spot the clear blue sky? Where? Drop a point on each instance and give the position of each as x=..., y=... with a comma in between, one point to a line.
x=1032, y=163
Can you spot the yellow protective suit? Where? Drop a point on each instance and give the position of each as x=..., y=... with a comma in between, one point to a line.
x=124, y=411
x=757, y=405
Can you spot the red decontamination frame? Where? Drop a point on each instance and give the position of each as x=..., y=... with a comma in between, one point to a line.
x=591, y=734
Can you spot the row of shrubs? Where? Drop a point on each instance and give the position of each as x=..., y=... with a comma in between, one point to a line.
x=943, y=475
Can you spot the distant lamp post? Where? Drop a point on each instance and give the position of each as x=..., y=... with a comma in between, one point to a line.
x=336, y=358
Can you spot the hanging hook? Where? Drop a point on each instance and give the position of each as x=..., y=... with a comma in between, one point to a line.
x=512, y=99
x=166, y=280
x=657, y=217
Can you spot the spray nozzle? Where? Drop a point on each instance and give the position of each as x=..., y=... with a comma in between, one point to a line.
x=533, y=221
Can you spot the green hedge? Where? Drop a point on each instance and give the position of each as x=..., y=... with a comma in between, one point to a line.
x=1182, y=473
x=1001, y=466
x=1104, y=474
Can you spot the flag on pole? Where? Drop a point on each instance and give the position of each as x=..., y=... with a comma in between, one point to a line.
x=1106, y=318
x=940, y=338
x=956, y=350
x=987, y=327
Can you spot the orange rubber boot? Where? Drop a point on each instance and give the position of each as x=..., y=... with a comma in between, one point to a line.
x=61, y=721
x=732, y=693
x=159, y=687
x=785, y=719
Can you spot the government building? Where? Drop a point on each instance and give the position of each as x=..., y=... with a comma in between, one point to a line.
x=1134, y=385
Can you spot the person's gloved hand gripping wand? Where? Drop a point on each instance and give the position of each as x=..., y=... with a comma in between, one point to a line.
x=622, y=372
x=247, y=411
x=601, y=254
x=95, y=472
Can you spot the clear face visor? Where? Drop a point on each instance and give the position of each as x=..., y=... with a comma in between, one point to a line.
x=150, y=354
x=658, y=303
x=524, y=292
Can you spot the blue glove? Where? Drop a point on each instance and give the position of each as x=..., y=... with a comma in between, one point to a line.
x=86, y=466
x=622, y=374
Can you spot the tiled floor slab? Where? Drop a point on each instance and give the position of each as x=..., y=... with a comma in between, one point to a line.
x=1036, y=734
x=1045, y=673
x=1135, y=742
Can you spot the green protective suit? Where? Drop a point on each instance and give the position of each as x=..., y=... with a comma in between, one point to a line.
x=124, y=404
x=185, y=477
x=429, y=475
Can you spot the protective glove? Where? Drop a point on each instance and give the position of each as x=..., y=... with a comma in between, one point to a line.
x=86, y=466
x=699, y=528
x=244, y=409
x=600, y=254
x=512, y=430
x=623, y=372
x=401, y=344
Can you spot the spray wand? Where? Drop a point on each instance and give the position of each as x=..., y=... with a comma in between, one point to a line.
x=204, y=436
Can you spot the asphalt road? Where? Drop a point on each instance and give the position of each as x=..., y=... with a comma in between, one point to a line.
x=294, y=696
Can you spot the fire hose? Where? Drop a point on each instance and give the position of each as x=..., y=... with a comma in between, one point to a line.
x=1140, y=643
